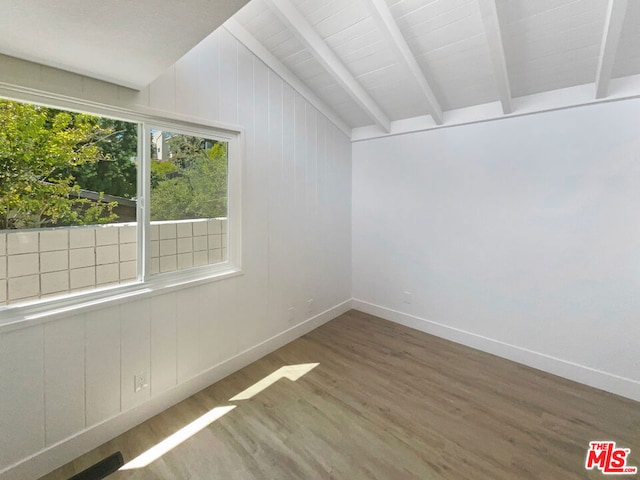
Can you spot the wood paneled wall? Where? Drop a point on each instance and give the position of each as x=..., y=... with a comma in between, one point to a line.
x=64, y=375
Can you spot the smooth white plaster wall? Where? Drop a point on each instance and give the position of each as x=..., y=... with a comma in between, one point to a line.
x=519, y=236
x=66, y=383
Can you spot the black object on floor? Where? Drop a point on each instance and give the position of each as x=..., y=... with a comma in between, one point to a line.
x=101, y=469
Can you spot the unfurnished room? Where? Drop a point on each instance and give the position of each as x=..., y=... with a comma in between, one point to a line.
x=319, y=239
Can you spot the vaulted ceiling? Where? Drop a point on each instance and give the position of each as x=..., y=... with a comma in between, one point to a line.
x=374, y=67
x=380, y=67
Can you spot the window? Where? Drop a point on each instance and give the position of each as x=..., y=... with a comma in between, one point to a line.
x=188, y=201
x=73, y=215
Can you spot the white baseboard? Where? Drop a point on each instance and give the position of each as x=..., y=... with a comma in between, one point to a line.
x=63, y=452
x=609, y=382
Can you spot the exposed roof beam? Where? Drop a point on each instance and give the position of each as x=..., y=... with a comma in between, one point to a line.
x=564, y=98
x=489, y=13
x=387, y=25
x=299, y=25
x=609, y=47
x=260, y=51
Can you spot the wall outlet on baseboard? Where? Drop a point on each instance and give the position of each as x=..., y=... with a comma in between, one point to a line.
x=406, y=298
x=291, y=314
x=140, y=382
x=309, y=307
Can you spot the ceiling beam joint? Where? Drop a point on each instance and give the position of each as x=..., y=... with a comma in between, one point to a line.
x=260, y=51
x=491, y=21
x=616, y=11
x=305, y=32
x=386, y=23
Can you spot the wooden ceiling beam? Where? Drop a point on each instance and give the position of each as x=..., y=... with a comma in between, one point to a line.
x=616, y=12
x=260, y=51
x=303, y=30
x=489, y=14
x=386, y=23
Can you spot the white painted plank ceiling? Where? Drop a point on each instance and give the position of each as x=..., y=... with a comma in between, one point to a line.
x=552, y=45
x=536, y=56
x=374, y=67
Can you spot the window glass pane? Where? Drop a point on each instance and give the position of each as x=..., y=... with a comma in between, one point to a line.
x=188, y=201
x=67, y=202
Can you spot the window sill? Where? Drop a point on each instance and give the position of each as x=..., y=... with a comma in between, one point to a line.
x=30, y=314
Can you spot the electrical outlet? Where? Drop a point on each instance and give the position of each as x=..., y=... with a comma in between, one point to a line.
x=140, y=382
x=291, y=314
x=406, y=297
x=309, y=306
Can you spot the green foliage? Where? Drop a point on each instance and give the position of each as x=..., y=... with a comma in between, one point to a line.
x=161, y=171
x=48, y=156
x=192, y=183
x=40, y=148
x=113, y=172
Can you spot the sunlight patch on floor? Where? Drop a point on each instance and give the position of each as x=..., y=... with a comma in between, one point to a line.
x=292, y=372
x=177, y=438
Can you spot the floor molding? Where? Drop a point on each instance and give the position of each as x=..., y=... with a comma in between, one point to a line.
x=63, y=452
x=624, y=387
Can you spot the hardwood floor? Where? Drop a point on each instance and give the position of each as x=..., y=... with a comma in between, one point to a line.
x=385, y=402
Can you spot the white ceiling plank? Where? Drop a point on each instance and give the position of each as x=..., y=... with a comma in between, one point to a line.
x=387, y=25
x=625, y=88
x=489, y=14
x=299, y=25
x=249, y=41
x=612, y=29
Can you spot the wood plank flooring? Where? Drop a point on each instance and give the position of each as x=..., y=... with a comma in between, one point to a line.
x=385, y=402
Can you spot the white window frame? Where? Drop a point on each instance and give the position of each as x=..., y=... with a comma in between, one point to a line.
x=147, y=283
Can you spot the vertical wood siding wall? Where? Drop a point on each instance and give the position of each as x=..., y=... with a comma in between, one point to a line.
x=62, y=376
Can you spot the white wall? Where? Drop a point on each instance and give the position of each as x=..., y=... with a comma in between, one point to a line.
x=520, y=237
x=69, y=378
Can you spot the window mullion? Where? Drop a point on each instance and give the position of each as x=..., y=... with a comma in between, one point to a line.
x=144, y=188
